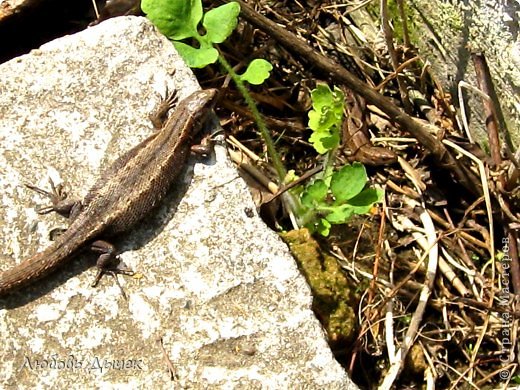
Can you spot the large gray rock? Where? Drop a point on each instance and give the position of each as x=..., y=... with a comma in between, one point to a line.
x=446, y=33
x=218, y=288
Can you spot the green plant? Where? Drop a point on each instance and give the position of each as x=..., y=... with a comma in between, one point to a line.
x=325, y=118
x=337, y=195
x=180, y=19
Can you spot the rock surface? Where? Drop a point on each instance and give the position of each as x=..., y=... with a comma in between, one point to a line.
x=447, y=32
x=218, y=287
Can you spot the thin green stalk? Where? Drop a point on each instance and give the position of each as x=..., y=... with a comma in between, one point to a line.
x=271, y=151
x=329, y=163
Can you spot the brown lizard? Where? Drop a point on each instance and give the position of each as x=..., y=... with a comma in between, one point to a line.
x=124, y=193
x=355, y=135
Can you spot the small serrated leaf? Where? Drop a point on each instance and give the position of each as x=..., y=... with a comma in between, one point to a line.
x=315, y=120
x=323, y=141
x=338, y=99
x=321, y=97
x=325, y=118
x=322, y=119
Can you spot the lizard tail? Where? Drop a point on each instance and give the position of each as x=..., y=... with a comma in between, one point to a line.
x=33, y=268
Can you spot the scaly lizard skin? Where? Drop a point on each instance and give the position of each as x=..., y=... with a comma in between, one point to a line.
x=124, y=193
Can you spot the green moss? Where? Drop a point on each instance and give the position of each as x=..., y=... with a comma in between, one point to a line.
x=448, y=15
x=334, y=299
x=451, y=15
x=395, y=19
x=397, y=22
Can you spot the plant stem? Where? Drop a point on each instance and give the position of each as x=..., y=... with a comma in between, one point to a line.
x=264, y=131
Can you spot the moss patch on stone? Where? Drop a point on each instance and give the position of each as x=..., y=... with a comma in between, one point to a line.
x=334, y=298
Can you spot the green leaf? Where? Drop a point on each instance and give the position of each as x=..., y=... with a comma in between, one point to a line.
x=321, y=97
x=177, y=19
x=327, y=109
x=307, y=200
x=322, y=119
x=257, y=72
x=348, y=182
x=314, y=194
x=221, y=21
x=324, y=141
x=290, y=177
x=323, y=227
x=363, y=202
x=325, y=117
x=340, y=214
x=196, y=58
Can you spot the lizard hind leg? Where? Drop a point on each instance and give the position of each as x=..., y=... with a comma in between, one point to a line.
x=107, y=261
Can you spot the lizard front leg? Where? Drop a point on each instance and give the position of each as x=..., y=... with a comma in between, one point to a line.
x=160, y=114
x=59, y=201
